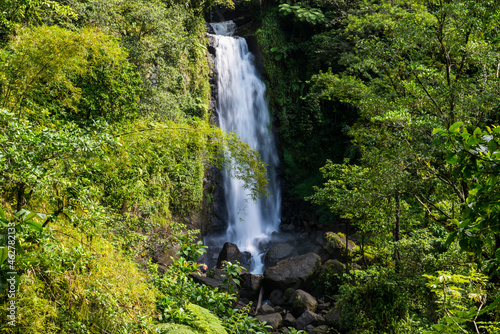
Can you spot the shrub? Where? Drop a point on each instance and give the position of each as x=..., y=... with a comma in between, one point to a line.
x=80, y=285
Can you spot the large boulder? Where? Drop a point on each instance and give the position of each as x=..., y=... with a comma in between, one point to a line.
x=265, y=309
x=302, y=301
x=323, y=329
x=274, y=319
x=292, y=272
x=276, y=297
x=332, y=317
x=332, y=267
x=279, y=252
x=289, y=320
x=250, y=285
x=334, y=245
x=208, y=281
x=231, y=253
x=309, y=318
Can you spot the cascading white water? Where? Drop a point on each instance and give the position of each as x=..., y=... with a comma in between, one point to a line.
x=242, y=108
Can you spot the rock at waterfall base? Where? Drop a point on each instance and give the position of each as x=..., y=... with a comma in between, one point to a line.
x=274, y=319
x=292, y=272
x=279, y=252
x=302, y=301
x=309, y=318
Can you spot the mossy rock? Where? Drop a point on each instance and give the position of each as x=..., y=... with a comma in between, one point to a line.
x=302, y=301
x=335, y=244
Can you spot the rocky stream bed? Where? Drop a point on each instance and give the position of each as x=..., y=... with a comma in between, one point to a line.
x=285, y=295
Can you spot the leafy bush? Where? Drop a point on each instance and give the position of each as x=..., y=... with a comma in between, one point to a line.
x=372, y=300
x=205, y=321
x=239, y=322
x=83, y=287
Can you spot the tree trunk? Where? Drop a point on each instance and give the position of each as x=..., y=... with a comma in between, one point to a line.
x=396, y=231
x=346, y=248
x=363, y=239
x=20, y=197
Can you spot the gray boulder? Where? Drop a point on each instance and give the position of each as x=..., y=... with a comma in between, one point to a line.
x=250, y=285
x=211, y=282
x=231, y=253
x=276, y=297
x=309, y=318
x=216, y=274
x=302, y=301
x=279, y=252
x=265, y=309
x=289, y=320
x=323, y=329
x=292, y=272
x=274, y=319
x=287, y=295
x=332, y=317
x=322, y=306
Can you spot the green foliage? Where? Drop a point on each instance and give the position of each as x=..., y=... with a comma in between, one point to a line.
x=205, y=321
x=18, y=235
x=308, y=137
x=371, y=301
x=67, y=285
x=191, y=250
x=104, y=126
x=355, y=193
x=397, y=301
x=329, y=279
x=231, y=276
x=80, y=76
x=39, y=161
x=166, y=43
x=175, y=329
x=239, y=322
x=474, y=159
x=178, y=289
x=382, y=75
x=304, y=14
x=167, y=158
x=292, y=330
x=184, y=302
x=452, y=290
x=16, y=13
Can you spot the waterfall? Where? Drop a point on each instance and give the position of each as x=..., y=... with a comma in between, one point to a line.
x=242, y=108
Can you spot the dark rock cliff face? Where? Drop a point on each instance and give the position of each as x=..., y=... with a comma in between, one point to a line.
x=214, y=213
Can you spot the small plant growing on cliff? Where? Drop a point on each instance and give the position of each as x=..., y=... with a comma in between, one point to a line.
x=231, y=275
x=190, y=250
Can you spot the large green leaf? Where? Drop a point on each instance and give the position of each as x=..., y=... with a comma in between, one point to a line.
x=452, y=159
x=4, y=253
x=455, y=127
x=2, y=215
x=29, y=215
x=35, y=226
